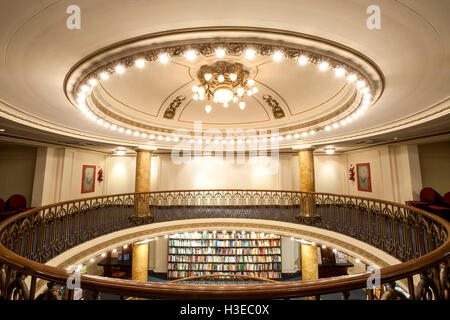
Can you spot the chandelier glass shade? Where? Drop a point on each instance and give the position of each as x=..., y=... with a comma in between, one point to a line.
x=223, y=82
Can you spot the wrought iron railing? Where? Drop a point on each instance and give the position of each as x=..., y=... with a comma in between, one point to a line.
x=413, y=236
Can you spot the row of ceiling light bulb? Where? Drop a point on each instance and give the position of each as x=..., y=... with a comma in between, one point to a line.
x=104, y=254
x=220, y=52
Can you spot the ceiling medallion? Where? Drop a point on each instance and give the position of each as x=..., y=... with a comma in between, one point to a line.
x=224, y=82
x=171, y=109
x=275, y=105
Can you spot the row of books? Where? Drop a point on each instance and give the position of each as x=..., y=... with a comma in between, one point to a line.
x=223, y=243
x=258, y=266
x=184, y=274
x=187, y=258
x=210, y=250
x=224, y=259
x=256, y=258
x=225, y=251
x=225, y=266
x=258, y=251
x=222, y=235
x=266, y=274
x=258, y=243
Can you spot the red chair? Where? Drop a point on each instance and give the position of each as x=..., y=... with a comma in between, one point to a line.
x=444, y=209
x=428, y=196
x=16, y=202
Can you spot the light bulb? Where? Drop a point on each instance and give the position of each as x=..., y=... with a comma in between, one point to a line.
x=249, y=54
x=220, y=53
x=160, y=138
x=343, y=122
x=201, y=97
x=195, y=88
x=249, y=92
x=191, y=55
x=225, y=104
x=104, y=75
x=195, y=96
x=277, y=56
x=251, y=82
x=121, y=130
x=143, y=135
x=304, y=134
x=360, y=84
x=335, y=125
x=163, y=58
x=119, y=69
x=302, y=60
x=255, y=89
x=312, y=132
x=235, y=99
x=168, y=139
x=233, y=76
x=323, y=66
x=339, y=72
x=242, y=105
x=327, y=128
x=136, y=133
x=140, y=63
x=128, y=131
x=296, y=136
x=113, y=127
x=84, y=88
x=240, y=91
x=93, y=81
x=201, y=91
x=208, y=76
x=351, y=78
x=152, y=137
x=221, y=78
x=208, y=108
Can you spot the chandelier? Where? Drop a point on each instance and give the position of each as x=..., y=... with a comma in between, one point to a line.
x=223, y=82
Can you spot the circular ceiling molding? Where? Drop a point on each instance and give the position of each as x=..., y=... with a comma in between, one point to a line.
x=304, y=84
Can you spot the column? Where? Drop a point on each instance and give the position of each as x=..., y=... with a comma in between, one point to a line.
x=139, y=268
x=307, y=184
x=139, y=265
x=308, y=214
x=310, y=266
x=142, y=182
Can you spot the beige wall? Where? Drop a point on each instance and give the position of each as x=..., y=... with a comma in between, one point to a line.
x=395, y=173
x=59, y=174
x=435, y=166
x=17, y=166
x=279, y=174
x=330, y=175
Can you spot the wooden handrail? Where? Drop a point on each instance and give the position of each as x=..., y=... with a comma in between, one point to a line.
x=230, y=291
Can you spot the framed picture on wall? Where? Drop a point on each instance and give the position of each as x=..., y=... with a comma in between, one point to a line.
x=363, y=177
x=88, y=179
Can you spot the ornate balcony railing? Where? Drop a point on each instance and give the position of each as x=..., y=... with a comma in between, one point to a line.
x=417, y=238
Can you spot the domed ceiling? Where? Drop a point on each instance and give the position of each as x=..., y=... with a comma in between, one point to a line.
x=126, y=77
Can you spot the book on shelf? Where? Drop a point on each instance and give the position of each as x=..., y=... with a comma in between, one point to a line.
x=257, y=254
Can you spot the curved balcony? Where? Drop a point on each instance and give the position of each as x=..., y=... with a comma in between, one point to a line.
x=416, y=238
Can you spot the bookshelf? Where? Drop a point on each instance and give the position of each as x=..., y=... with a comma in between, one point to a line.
x=203, y=253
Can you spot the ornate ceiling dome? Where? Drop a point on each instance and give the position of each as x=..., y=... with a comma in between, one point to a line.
x=291, y=86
